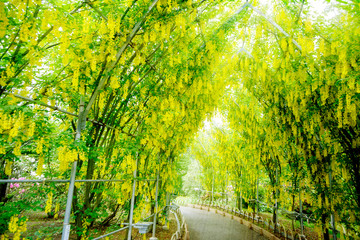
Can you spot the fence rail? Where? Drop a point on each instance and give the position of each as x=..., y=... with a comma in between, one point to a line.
x=277, y=228
x=66, y=232
x=66, y=180
x=181, y=224
x=128, y=225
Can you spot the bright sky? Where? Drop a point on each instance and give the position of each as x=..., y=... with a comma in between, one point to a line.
x=323, y=8
x=217, y=119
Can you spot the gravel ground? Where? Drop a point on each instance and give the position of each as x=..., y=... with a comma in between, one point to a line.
x=204, y=225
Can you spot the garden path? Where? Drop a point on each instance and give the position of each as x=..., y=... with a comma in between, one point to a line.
x=204, y=225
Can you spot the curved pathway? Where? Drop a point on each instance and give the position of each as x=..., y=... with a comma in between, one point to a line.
x=204, y=225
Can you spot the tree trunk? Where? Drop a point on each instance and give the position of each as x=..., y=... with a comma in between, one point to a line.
x=107, y=220
x=80, y=213
x=274, y=218
x=3, y=187
x=356, y=179
x=293, y=209
x=324, y=219
x=325, y=230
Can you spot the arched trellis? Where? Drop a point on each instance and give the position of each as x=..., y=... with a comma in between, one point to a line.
x=245, y=6
x=84, y=111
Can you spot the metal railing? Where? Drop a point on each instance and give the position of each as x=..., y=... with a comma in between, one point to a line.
x=267, y=224
x=180, y=220
x=126, y=227
x=65, y=235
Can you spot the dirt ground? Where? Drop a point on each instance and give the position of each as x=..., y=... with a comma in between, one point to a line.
x=41, y=227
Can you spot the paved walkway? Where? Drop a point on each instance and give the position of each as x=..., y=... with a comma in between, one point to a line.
x=204, y=225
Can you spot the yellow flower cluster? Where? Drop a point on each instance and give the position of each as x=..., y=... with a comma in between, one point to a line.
x=129, y=164
x=17, y=149
x=57, y=208
x=40, y=165
x=11, y=124
x=66, y=156
x=8, y=167
x=39, y=147
x=49, y=203
x=3, y=19
x=16, y=227
x=13, y=225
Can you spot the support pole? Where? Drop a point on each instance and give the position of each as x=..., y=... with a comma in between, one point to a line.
x=332, y=217
x=226, y=196
x=168, y=196
x=301, y=214
x=132, y=202
x=199, y=175
x=212, y=189
x=156, y=206
x=276, y=202
x=80, y=125
x=257, y=196
x=240, y=200
x=240, y=192
x=66, y=225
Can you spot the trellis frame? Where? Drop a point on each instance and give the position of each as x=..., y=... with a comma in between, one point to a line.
x=80, y=126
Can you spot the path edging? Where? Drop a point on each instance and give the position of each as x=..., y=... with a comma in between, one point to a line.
x=250, y=225
x=186, y=235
